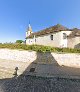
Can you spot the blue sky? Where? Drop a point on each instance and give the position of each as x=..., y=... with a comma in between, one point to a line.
x=15, y=16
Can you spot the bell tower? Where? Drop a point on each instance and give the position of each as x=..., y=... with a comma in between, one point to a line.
x=29, y=30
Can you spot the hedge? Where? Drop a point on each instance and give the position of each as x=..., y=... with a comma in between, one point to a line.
x=39, y=48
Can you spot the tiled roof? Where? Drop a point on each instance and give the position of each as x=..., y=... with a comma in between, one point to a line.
x=49, y=30
x=75, y=33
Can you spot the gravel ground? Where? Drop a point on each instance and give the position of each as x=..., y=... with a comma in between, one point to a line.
x=39, y=84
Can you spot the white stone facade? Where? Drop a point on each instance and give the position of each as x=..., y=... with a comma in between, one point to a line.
x=58, y=40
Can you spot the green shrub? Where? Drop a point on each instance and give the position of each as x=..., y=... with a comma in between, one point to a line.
x=39, y=48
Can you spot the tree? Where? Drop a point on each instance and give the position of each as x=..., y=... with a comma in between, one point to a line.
x=19, y=41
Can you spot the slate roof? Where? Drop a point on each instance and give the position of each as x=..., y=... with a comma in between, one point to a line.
x=55, y=28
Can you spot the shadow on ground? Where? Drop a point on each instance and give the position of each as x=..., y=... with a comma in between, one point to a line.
x=30, y=81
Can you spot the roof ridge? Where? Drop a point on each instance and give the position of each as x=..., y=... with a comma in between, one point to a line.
x=52, y=29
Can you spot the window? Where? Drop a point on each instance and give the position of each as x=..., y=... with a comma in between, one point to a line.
x=51, y=37
x=64, y=35
x=35, y=40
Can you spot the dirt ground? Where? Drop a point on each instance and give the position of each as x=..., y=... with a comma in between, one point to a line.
x=7, y=68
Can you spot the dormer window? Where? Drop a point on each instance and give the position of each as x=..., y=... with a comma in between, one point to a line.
x=51, y=37
x=64, y=35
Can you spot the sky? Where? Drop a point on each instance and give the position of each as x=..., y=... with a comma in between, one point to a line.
x=16, y=14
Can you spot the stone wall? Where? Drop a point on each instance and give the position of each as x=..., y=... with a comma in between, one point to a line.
x=71, y=60
x=73, y=42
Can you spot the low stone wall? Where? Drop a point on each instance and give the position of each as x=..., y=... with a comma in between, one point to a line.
x=71, y=60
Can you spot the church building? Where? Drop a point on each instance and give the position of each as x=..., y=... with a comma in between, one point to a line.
x=55, y=36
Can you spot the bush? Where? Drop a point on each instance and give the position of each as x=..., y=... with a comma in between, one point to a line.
x=19, y=41
x=39, y=48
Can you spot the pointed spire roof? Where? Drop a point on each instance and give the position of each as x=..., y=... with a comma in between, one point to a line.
x=29, y=27
x=29, y=24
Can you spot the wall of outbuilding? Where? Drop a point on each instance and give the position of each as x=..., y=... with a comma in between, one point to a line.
x=73, y=42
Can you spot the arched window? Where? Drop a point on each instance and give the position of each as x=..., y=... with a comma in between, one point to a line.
x=64, y=35
x=51, y=37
